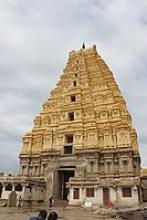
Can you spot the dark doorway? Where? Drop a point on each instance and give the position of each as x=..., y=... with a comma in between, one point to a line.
x=1, y=188
x=64, y=176
x=105, y=196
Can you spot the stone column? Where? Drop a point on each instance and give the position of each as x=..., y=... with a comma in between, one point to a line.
x=13, y=187
x=49, y=183
x=33, y=170
x=70, y=198
x=82, y=194
x=99, y=194
x=135, y=195
x=20, y=170
x=23, y=191
x=113, y=194
x=3, y=192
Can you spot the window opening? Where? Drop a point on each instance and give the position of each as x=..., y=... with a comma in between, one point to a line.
x=127, y=192
x=68, y=149
x=74, y=83
x=69, y=138
x=89, y=192
x=8, y=187
x=18, y=188
x=76, y=193
x=73, y=98
x=71, y=116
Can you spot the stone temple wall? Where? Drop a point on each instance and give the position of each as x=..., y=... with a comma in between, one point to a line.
x=84, y=128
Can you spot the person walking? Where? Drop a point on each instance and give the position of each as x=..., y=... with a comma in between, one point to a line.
x=19, y=202
x=51, y=202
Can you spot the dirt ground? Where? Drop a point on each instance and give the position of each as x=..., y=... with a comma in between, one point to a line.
x=67, y=214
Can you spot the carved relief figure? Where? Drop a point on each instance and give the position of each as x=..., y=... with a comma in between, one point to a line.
x=26, y=144
x=115, y=113
x=123, y=137
x=78, y=139
x=103, y=115
x=37, y=122
x=108, y=139
x=47, y=142
x=45, y=107
x=46, y=120
x=91, y=139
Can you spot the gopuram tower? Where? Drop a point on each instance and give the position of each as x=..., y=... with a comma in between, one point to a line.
x=83, y=144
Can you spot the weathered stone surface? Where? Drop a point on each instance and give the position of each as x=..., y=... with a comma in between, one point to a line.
x=12, y=201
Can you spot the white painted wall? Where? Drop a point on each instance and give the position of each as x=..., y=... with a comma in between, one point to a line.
x=128, y=201
x=113, y=194
x=96, y=200
x=5, y=193
x=75, y=201
x=116, y=197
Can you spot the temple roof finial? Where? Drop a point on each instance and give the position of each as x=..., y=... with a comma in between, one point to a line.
x=83, y=46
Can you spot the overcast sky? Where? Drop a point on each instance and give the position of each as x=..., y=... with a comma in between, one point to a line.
x=35, y=38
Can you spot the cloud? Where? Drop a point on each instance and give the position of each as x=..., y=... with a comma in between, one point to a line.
x=36, y=37
x=9, y=164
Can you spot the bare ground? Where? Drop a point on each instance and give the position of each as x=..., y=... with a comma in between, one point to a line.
x=67, y=214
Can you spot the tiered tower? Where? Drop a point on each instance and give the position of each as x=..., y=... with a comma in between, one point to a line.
x=83, y=143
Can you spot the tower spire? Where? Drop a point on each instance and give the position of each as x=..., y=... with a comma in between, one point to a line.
x=83, y=46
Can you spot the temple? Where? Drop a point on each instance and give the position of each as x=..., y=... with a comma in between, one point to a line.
x=83, y=147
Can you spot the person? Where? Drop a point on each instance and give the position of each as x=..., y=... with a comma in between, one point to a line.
x=42, y=215
x=52, y=216
x=51, y=201
x=19, y=202
x=29, y=201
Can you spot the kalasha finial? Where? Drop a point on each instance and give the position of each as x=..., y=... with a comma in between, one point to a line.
x=83, y=46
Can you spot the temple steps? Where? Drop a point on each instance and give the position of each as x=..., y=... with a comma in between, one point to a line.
x=60, y=203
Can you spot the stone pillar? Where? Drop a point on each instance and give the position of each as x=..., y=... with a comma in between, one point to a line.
x=3, y=192
x=70, y=198
x=41, y=169
x=23, y=189
x=70, y=195
x=27, y=170
x=135, y=195
x=121, y=167
x=13, y=187
x=23, y=194
x=130, y=165
x=20, y=170
x=24, y=170
x=33, y=170
x=49, y=183
x=113, y=194
x=38, y=170
x=82, y=195
x=99, y=195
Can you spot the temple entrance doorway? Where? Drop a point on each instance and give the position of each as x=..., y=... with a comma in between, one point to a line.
x=64, y=176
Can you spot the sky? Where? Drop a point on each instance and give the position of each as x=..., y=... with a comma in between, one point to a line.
x=35, y=38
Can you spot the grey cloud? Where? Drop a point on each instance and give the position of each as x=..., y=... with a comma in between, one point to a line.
x=35, y=37
x=9, y=164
